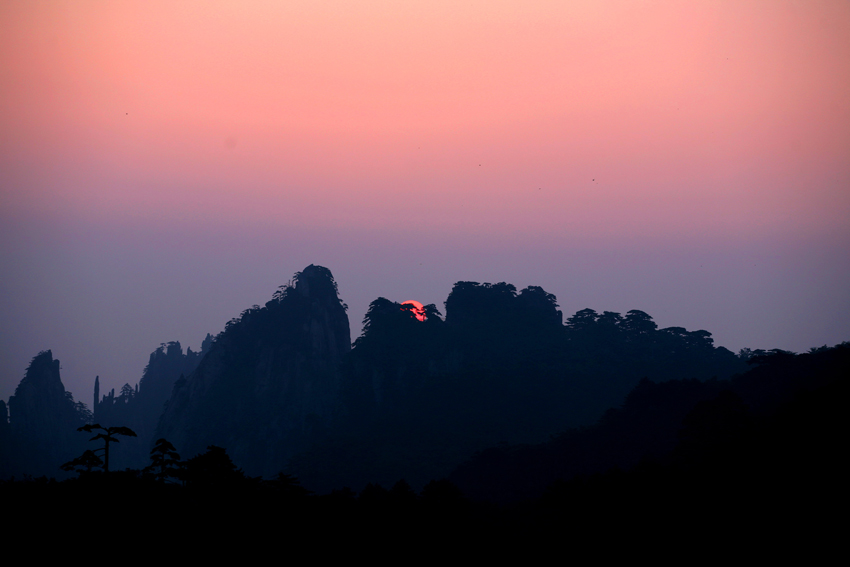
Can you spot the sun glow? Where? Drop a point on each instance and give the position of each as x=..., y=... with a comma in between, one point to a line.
x=418, y=309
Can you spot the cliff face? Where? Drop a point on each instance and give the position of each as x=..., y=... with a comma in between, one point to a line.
x=40, y=405
x=269, y=381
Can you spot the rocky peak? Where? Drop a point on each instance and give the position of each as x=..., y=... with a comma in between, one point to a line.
x=271, y=376
x=43, y=419
x=40, y=402
x=316, y=282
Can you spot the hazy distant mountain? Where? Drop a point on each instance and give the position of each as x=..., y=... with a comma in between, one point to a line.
x=140, y=408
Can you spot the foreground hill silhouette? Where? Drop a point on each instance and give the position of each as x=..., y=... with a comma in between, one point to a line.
x=775, y=420
x=753, y=470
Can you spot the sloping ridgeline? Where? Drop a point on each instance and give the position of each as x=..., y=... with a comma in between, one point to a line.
x=763, y=443
x=269, y=379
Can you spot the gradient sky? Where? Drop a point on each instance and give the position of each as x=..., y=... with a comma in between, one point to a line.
x=166, y=165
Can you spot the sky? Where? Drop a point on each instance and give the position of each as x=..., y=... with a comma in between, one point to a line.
x=166, y=165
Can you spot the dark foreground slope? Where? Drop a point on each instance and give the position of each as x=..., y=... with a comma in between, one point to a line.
x=775, y=427
x=755, y=475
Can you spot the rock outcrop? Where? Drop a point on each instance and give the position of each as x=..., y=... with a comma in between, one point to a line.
x=270, y=380
x=43, y=421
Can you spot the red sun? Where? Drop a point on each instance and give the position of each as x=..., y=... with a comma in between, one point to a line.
x=418, y=308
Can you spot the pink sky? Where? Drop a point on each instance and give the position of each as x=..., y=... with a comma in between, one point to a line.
x=561, y=144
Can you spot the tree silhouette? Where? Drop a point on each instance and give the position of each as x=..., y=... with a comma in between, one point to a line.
x=108, y=437
x=165, y=461
x=213, y=469
x=86, y=461
x=288, y=486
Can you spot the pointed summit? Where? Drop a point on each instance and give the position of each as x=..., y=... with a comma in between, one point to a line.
x=44, y=418
x=316, y=281
x=40, y=404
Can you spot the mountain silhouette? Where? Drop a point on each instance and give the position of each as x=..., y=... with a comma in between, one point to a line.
x=269, y=379
x=43, y=419
x=422, y=396
x=283, y=390
x=140, y=408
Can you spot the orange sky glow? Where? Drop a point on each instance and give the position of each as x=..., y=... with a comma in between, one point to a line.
x=488, y=137
x=488, y=115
